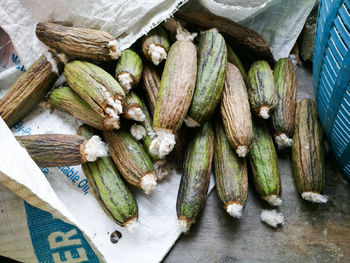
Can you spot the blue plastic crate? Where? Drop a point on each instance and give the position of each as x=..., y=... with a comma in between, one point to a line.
x=331, y=73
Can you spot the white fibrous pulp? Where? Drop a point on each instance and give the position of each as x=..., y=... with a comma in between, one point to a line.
x=114, y=51
x=264, y=113
x=157, y=53
x=235, y=210
x=242, y=151
x=113, y=108
x=137, y=131
x=125, y=80
x=272, y=217
x=95, y=148
x=136, y=114
x=314, y=197
x=183, y=225
x=183, y=34
x=148, y=183
x=163, y=144
x=283, y=141
x=274, y=200
x=132, y=225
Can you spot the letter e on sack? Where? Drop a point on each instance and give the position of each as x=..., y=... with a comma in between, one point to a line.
x=60, y=239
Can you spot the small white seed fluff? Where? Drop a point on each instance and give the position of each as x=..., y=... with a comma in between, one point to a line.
x=114, y=117
x=235, y=210
x=109, y=122
x=148, y=183
x=191, y=122
x=132, y=225
x=183, y=225
x=162, y=172
x=136, y=114
x=163, y=144
x=264, y=113
x=125, y=80
x=183, y=34
x=111, y=112
x=106, y=95
x=283, y=141
x=157, y=53
x=114, y=106
x=314, y=197
x=274, y=200
x=272, y=217
x=117, y=105
x=242, y=151
x=95, y=148
x=114, y=51
x=137, y=131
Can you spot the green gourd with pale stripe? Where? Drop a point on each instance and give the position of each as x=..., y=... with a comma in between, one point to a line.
x=108, y=187
x=211, y=70
x=132, y=107
x=157, y=38
x=283, y=116
x=132, y=161
x=261, y=89
x=176, y=87
x=263, y=160
x=98, y=88
x=64, y=98
x=129, y=63
x=307, y=152
x=231, y=175
x=196, y=176
x=87, y=79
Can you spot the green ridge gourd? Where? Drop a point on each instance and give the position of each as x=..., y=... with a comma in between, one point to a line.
x=196, y=176
x=263, y=160
x=231, y=175
x=129, y=69
x=283, y=116
x=262, y=89
x=109, y=189
x=211, y=71
x=308, y=154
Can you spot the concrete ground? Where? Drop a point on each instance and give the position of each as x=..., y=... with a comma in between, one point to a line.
x=311, y=232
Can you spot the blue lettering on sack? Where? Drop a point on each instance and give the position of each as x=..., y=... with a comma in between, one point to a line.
x=18, y=63
x=19, y=129
x=56, y=241
x=74, y=177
